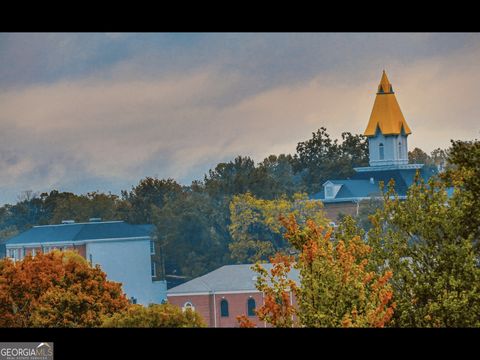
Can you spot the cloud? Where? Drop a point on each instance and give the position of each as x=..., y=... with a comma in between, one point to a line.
x=108, y=130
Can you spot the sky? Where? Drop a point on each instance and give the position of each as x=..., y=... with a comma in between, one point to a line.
x=86, y=112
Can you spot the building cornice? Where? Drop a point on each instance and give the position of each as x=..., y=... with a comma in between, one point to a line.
x=79, y=242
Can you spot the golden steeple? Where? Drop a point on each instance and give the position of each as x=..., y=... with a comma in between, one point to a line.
x=386, y=113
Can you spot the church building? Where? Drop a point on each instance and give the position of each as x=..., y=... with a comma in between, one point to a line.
x=387, y=133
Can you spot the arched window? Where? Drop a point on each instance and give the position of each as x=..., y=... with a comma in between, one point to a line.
x=251, y=307
x=188, y=305
x=380, y=149
x=224, y=308
x=399, y=150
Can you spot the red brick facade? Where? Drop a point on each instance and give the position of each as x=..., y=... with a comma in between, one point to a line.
x=237, y=305
x=332, y=210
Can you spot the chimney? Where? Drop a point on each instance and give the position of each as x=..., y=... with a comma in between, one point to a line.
x=372, y=181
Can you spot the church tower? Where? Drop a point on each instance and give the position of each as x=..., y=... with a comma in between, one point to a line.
x=387, y=129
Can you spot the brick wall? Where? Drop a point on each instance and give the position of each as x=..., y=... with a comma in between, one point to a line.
x=332, y=210
x=237, y=305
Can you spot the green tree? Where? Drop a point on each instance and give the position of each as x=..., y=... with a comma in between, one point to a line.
x=418, y=156
x=255, y=227
x=423, y=240
x=149, y=192
x=193, y=233
x=154, y=316
x=321, y=158
x=83, y=207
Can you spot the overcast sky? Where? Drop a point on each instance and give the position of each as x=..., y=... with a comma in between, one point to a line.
x=86, y=112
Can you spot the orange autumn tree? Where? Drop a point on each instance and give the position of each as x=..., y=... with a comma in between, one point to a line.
x=339, y=287
x=58, y=289
x=277, y=288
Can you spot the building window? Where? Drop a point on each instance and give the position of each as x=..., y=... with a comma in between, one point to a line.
x=381, y=151
x=224, y=308
x=152, y=248
x=188, y=306
x=154, y=269
x=91, y=259
x=251, y=307
x=133, y=300
x=399, y=150
x=12, y=253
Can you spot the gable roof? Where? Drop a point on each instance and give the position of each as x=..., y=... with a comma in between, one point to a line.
x=386, y=114
x=81, y=231
x=224, y=279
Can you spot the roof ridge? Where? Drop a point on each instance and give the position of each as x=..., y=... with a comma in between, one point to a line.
x=82, y=223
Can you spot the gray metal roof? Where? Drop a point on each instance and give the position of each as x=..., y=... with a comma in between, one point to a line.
x=226, y=278
x=80, y=231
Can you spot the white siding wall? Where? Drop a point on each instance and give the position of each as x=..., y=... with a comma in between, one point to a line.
x=390, y=150
x=129, y=262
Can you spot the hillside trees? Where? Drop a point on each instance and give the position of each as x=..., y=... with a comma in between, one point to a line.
x=321, y=158
x=192, y=230
x=255, y=227
x=430, y=240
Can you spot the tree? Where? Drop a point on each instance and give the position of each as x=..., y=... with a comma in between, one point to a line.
x=277, y=288
x=464, y=175
x=426, y=242
x=367, y=208
x=83, y=207
x=149, y=192
x=338, y=289
x=58, y=289
x=255, y=226
x=280, y=177
x=193, y=233
x=322, y=158
x=338, y=286
x=154, y=316
x=418, y=156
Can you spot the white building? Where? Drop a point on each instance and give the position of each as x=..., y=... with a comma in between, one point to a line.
x=127, y=253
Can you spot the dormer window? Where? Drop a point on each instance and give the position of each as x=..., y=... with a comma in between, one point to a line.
x=329, y=191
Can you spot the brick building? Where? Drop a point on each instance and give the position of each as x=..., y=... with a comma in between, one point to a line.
x=223, y=294
x=127, y=253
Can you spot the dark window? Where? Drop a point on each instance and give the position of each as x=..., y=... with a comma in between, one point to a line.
x=224, y=308
x=154, y=269
x=152, y=248
x=251, y=307
x=400, y=150
x=380, y=148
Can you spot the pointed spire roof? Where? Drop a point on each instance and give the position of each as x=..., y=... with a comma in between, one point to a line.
x=386, y=114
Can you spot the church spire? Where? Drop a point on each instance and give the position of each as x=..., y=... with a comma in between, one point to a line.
x=385, y=87
x=386, y=114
